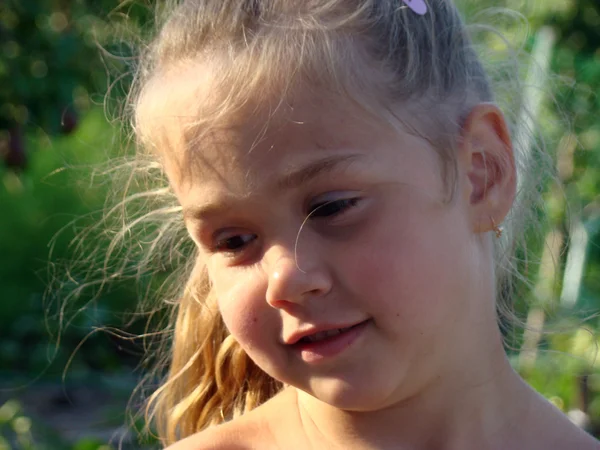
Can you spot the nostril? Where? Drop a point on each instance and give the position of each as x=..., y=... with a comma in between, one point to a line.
x=290, y=284
x=287, y=305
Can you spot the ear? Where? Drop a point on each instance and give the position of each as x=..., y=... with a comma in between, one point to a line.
x=487, y=167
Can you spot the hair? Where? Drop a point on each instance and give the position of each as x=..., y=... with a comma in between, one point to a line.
x=377, y=54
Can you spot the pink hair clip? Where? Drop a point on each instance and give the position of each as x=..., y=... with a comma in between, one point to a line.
x=418, y=6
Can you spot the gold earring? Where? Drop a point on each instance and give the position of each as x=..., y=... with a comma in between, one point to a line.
x=498, y=230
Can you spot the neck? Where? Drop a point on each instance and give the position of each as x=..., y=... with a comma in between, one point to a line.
x=479, y=406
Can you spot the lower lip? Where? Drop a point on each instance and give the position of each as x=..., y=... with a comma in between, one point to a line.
x=314, y=352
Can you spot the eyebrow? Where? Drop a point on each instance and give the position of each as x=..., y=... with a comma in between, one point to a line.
x=298, y=177
x=204, y=212
x=290, y=180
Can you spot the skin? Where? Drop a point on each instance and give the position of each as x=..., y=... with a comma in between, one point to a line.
x=428, y=371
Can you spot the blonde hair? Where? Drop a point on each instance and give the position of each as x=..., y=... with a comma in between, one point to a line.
x=375, y=53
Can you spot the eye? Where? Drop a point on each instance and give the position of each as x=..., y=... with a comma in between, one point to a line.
x=332, y=208
x=233, y=243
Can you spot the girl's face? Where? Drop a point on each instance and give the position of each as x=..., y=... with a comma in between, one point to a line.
x=330, y=221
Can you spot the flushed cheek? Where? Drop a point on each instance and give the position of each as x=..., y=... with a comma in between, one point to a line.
x=244, y=310
x=387, y=287
x=401, y=280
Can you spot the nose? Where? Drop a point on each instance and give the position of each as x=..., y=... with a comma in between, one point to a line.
x=292, y=279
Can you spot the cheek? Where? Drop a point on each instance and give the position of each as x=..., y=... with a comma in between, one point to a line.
x=394, y=285
x=243, y=307
x=408, y=271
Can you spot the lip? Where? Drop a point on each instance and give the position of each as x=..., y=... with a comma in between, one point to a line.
x=294, y=338
x=315, y=352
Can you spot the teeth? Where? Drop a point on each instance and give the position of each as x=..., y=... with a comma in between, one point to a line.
x=323, y=335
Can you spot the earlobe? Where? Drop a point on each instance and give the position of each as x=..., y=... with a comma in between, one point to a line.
x=487, y=160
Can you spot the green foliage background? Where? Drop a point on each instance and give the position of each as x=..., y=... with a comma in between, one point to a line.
x=54, y=73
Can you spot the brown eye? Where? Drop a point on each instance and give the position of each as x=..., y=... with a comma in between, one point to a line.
x=234, y=244
x=332, y=208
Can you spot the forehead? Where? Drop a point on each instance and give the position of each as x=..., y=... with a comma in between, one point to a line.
x=265, y=136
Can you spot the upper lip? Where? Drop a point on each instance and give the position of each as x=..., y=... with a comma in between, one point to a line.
x=299, y=334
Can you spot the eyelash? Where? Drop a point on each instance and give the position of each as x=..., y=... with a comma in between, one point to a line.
x=221, y=246
x=338, y=207
x=322, y=210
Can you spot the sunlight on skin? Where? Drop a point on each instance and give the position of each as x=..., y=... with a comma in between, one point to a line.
x=428, y=368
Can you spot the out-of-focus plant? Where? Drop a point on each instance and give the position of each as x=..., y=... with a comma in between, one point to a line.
x=568, y=374
x=19, y=432
x=53, y=64
x=52, y=193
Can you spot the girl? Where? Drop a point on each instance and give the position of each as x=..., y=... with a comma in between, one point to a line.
x=343, y=171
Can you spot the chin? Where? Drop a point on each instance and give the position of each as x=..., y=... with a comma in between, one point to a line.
x=364, y=396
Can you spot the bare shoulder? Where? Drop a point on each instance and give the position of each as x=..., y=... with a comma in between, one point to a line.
x=235, y=435
x=574, y=438
x=254, y=430
x=552, y=430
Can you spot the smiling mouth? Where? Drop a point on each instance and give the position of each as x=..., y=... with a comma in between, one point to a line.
x=322, y=346
x=322, y=335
